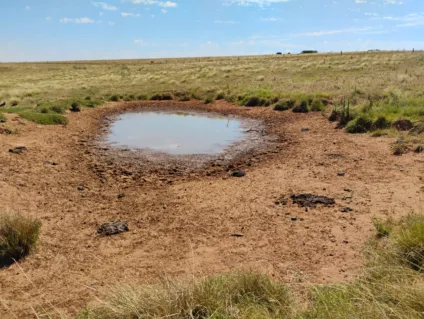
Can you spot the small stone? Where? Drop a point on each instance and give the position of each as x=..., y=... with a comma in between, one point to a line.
x=238, y=174
x=18, y=150
x=293, y=219
x=345, y=242
x=237, y=235
x=347, y=190
x=346, y=210
x=109, y=229
x=121, y=196
x=81, y=187
x=305, y=129
x=419, y=149
x=341, y=174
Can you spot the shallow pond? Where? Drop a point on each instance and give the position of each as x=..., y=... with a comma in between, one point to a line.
x=176, y=133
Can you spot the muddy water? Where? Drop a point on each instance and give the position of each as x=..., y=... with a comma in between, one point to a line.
x=175, y=133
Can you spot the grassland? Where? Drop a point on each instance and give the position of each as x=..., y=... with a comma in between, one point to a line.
x=377, y=84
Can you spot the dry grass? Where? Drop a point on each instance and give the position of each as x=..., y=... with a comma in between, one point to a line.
x=391, y=286
x=18, y=236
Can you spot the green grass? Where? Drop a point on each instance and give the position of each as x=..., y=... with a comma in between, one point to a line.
x=45, y=119
x=18, y=236
x=3, y=118
x=391, y=285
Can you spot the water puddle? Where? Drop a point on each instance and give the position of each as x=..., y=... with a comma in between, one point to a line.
x=176, y=133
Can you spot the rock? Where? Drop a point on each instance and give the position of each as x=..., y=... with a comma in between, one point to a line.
x=304, y=129
x=2, y=103
x=50, y=163
x=403, y=125
x=121, y=196
x=309, y=200
x=237, y=235
x=5, y=131
x=18, y=150
x=109, y=229
x=341, y=174
x=238, y=174
x=293, y=219
x=419, y=149
x=345, y=210
x=81, y=188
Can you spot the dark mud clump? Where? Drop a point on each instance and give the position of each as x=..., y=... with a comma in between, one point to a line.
x=309, y=200
x=109, y=229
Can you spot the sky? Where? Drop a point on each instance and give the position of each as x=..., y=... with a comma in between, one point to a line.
x=54, y=30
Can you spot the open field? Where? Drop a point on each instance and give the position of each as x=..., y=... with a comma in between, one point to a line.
x=181, y=221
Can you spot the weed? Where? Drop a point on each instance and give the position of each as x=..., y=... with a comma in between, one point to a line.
x=18, y=236
x=399, y=147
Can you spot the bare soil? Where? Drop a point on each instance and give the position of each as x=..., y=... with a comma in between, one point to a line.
x=181, y=222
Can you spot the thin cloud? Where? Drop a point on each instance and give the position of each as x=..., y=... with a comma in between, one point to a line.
x=105, y=6
x=164, y=4
x=128, y=14
x=84, y=20
x=247, y=3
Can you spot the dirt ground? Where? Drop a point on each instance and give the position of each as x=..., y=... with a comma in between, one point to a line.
x=181, y=223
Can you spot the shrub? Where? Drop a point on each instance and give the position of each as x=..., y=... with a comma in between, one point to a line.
x=361, y=124
x=239, y=295
x=114, y=98
x=381, y=123
x=252, y=101
x=44, y=110
x=142, y=97
x=45, y=119
x=302, y=107
x=162, y=97
x=209, y=100
x=57, y=109
x=75, y=107
x=18, y=237
x=3, y=118
x=87, y=98
x=220, y=95
x=283, y=105
x=14, y=102
x=317, y=105
x=309, y=51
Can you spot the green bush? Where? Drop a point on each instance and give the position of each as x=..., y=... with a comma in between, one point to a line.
x=361, y=124
x=381, y=123
x=57, y=109
x=317, y=105
x=209, y=100
x=283, y=105
x=142, y=97
x=45, y=119
x=162, y=97
x=220, y=95
x=18, y=237
x=114, y=98
x=301, y=107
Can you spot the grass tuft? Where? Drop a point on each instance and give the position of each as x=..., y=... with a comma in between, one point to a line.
x=239, y=295
x=45, y=119
x=18, y=237
x=3, y=118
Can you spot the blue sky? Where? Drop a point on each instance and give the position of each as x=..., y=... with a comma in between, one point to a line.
x=47, y=30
